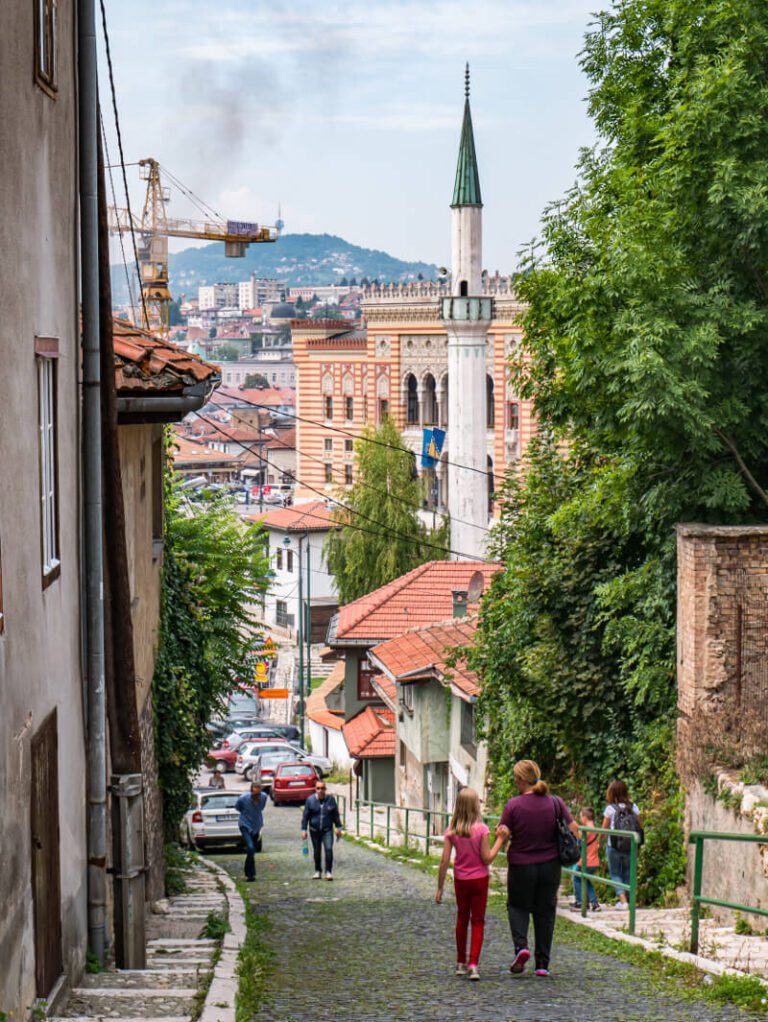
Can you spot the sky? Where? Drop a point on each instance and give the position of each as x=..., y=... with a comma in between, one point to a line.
x=348, y=115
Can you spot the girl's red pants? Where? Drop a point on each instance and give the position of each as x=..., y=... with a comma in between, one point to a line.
x=471, y=899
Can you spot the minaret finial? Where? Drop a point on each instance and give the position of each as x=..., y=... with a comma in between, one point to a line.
x=466, y=81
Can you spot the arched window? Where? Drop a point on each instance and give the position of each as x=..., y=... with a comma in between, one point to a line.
x=411, y=400
x=444, y=401
x=490, y=402
x=429, y=398
x=490, y=485
x=463, y=289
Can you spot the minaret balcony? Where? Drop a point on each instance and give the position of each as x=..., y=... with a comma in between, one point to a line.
x=467, y=309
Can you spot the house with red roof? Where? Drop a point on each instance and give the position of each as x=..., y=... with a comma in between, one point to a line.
x=434, y=592
x=433, y=695
x=324, y=712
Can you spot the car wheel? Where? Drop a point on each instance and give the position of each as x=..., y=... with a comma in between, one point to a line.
x=247, y=774
x=221, y=765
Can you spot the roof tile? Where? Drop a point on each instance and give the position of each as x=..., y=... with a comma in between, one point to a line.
x=370, y=734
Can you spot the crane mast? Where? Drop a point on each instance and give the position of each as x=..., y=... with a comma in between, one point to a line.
x=154, y=227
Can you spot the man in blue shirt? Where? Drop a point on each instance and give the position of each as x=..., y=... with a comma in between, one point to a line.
x=251, y=809
x=321, y=814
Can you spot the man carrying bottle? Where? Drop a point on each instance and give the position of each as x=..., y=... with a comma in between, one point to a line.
x=321, y=815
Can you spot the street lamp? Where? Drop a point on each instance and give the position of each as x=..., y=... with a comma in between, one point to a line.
x=287, y=544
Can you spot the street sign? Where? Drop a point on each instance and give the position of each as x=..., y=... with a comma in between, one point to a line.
x=273, y=693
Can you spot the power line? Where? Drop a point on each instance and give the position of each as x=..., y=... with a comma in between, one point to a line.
x=375, y=489
x=114, y=203
x=351, y=510
x=356, y=436
x=201, y=204
x=122, y=157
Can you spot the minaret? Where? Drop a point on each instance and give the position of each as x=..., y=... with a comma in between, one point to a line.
x=467, y=316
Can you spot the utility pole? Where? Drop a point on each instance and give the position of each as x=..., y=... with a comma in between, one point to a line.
x=301, y=648
x=308, y=688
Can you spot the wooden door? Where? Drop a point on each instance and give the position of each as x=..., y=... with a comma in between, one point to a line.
x=46, y=881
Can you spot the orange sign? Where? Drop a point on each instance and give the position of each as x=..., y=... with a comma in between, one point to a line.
x=273, y=693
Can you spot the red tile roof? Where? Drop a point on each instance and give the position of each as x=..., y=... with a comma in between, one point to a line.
x=317, y=708
x=370, y=734
x=312, y=516
x=422, y=652
x=189, y=452
x=420, y=597
x=145, y=362
x=269, y=396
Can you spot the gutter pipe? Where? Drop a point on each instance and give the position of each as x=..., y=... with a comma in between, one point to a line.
x=96, y=748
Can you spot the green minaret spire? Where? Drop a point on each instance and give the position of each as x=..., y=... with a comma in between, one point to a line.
x=466, y=191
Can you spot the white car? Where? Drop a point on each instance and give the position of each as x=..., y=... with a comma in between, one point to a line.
x=248, y=753
x=211, y=819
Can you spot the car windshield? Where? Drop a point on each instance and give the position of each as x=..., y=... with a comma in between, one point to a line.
x=292, y=770
x=262, y=748
x=219, y=801
x=276, y=757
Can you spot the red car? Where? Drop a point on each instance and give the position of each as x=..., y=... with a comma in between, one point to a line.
x=293, y=782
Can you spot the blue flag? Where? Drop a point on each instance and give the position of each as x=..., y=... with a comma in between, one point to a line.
x=431, y=447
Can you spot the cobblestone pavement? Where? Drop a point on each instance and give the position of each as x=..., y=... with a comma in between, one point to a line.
x=374, y=947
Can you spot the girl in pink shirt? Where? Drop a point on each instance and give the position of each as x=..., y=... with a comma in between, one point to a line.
x=468, y=837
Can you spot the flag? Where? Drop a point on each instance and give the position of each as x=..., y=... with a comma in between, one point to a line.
x=431, y=447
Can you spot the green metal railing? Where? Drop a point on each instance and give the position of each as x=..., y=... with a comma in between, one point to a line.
x=630, y=888
x=431, y=817
x=697, y=838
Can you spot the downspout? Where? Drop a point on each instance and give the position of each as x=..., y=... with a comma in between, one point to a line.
x=96, y=752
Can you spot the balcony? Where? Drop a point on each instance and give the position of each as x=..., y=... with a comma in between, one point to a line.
x=467, y=310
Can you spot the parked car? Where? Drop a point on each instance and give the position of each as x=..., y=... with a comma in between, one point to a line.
x=265, y=765
x=289, y=731
x=211, y=819
x=248, y=753
x=243, y=704
x=223, y=754
x=293, y=782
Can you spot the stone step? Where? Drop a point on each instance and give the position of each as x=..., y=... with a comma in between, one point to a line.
x=141, y=1003
x=113, y=1018
x=180, y=942
x=177, y=975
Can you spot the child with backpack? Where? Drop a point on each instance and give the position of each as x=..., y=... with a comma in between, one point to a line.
x=467, y=836
x=621, y=813
x=591, y=866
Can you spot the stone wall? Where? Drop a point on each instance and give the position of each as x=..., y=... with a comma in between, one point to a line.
x=153, y=807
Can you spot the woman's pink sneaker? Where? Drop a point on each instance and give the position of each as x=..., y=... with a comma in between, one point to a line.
x=541, y=972
x=521, y=958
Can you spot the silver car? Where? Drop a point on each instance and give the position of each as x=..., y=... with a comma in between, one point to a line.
x=211, y=819
x=247, y=754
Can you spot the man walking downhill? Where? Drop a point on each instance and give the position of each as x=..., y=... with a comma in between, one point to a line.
x=321, y=814
x=250, y=805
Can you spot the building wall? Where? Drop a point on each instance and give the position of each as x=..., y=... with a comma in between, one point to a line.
x=40, y=664
x=285, y=584
x=279, y=373
x=329, y=742
x=377, y=783
x=425, y=731
x=468, y=767
x=405, y=336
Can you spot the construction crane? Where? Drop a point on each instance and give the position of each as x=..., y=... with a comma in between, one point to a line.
x=153, y=229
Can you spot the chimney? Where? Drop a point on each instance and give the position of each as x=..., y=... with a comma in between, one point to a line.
x=459, y=602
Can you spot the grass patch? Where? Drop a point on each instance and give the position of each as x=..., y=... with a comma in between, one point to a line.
x=178, y=863
x=254, y=963
x=216, y=925
x=92, y=964
x=338, y=777
x=669, y=976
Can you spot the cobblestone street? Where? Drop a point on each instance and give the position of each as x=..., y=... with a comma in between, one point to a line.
x=374, y=947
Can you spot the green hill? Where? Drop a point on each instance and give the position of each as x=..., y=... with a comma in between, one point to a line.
x=300, y=259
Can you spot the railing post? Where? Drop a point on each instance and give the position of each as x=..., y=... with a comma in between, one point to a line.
x=698, y=871
x=389, y=811
x=357, y=817
x=429, y=828
x=632, y=882
x=372, y=810
x=583, y=869
x=407, y=813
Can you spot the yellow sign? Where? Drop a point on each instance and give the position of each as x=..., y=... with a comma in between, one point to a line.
x=273, y=693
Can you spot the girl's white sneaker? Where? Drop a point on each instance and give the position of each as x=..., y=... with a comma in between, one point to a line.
x=473, y=972
x=461, y=969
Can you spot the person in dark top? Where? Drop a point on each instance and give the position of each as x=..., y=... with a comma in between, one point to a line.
x=529, y=820
x=321, y=815
x=250, y=805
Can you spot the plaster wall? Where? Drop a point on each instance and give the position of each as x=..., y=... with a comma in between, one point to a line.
x=285, y=584
x=425, y=730
x=467, y=249
x=40, y=665
x=467, y=767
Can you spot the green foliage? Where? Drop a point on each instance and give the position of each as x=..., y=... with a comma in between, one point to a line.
x=255, y=964
x=228, y=352
x=255, y=381
x=383, y=537
x=216, y=925
x=647, y=309
x=178, y=863
x=214, y=569
x=92, y=965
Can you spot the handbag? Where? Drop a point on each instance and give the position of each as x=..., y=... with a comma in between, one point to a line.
x=568, y=846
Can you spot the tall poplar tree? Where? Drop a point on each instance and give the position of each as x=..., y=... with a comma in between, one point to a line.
x=381, y=537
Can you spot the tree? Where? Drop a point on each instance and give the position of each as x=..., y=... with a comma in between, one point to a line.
x=644, y=341
x=214, y=568
x=255, y=381
x=382, y=536
x=228, y=352
x=211, y=333
x=174, y=312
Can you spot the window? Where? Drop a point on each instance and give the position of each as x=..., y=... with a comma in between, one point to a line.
x=45, y=45
x=407, y=691
x=279, y=559
x=366, y=671
x=365, y=407
x=347, y=475
x=513, y=415
x=401, y=753
x=328, y=473
x=349, y=408
x=412, y=401
x=289, y=560
x=328, y=445
x=490, y=403
x=157, y=495
x=383, y=409
x=468, y=727
x=329, y=407
x=281, y=613
x=47, y=350
x=349, y=446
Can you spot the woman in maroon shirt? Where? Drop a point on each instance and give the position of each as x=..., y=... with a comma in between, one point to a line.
x=529, y=821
